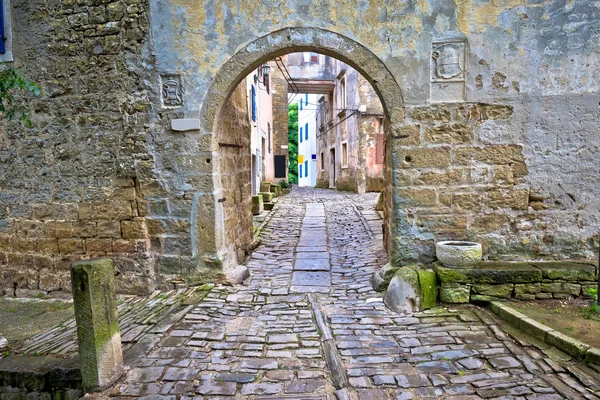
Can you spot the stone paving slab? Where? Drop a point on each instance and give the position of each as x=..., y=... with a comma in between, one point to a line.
x=309, y=278
x=309, y=289
x=312, y=264
x=302, y=255
x=304, y=249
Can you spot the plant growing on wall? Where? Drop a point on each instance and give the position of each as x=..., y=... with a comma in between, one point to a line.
x=293, y=142
x=14, y=90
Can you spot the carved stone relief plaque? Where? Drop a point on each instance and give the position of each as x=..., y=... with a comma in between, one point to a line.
x=448, y=71
x=172, y=91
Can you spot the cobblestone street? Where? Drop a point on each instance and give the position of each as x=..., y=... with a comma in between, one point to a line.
x=308, y=325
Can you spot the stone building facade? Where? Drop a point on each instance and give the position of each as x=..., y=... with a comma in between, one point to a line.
x=350, y=145
x=260, y=112
x=490, y=113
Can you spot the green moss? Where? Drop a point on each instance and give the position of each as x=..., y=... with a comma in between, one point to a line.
x=429, y=288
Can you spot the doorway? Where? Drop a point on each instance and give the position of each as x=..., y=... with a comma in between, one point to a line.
x=332, y=168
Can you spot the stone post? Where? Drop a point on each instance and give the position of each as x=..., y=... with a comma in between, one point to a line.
x=100, y=354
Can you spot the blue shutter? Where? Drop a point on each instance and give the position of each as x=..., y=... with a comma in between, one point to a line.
x=306, y=101
x=2, y=46
x=300, y=104
x=300, y=174
x=306, y=169
x=306, y=131
x=300, y=135
x=253, y=104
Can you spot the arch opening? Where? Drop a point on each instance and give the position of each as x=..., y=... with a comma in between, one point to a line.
x=218, y=114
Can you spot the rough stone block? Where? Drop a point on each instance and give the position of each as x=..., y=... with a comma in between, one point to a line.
x=265, y=187
x=491, y=273
x=515, y=199
x=70, y=246
x=58, y=229
x=455, y=295
x=49, y=282
x=276, y=190
x=84, y=229
x=135, y=229
x=98, y=335
x=96, y=245
x=404, y=294
x=418, y=197
x=115, y=210
x=567, y=271
x=489, y=223
x=561, y=287
x=534, y=328
x=22, y=245
x=268, y=206
x=567, y=344
x=436, y=113
x=503, y=291
x=592, y=356
x=108, y=229
x=48, y=246
x=267, y=197
x=424, y=158
x=408, y=135
x=257, y=204
x=449, y=133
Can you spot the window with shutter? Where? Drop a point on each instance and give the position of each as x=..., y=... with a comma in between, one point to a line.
x=2, y=37
x=306, y=169
x=306, y=131
x=253, y=104
x=300, y=135
x=5, y=32
x=314, y=58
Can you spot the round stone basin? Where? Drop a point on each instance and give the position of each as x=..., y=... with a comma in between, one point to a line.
x=458, y=254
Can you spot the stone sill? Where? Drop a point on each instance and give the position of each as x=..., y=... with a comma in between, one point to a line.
x=567, y=344
x=41, y=376
x=518, y=280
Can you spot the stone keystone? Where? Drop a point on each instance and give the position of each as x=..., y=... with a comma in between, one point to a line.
x=95, y=302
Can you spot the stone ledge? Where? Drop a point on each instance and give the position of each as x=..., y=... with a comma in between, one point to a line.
x=567, y=344
x=44, y=374
x=519, y=280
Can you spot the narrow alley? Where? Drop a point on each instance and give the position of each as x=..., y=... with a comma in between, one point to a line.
x=308, y=325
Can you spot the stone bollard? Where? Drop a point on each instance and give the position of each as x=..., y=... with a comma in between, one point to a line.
x=100, y=354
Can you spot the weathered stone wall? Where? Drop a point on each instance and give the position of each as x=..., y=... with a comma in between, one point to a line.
x=370, y=176
x=279, y=90
x=102, y=156
x=234, y=172
x=70, y=185
x=518, y=280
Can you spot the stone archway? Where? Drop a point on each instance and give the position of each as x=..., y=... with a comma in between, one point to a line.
x=246, y=60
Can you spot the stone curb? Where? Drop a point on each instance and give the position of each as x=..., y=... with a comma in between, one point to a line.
x=268, y=217
x=569, y=345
